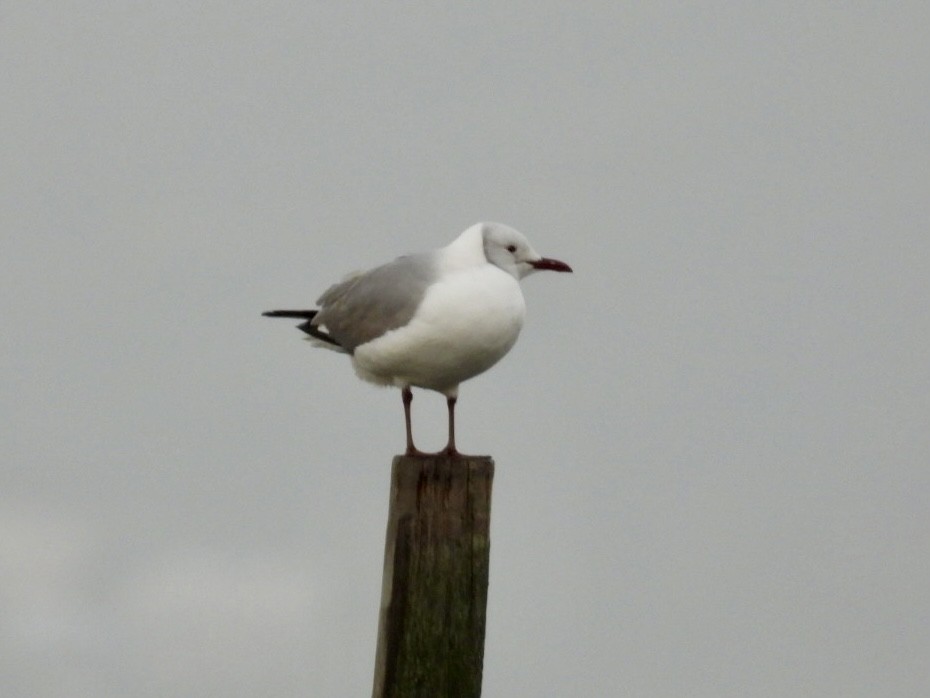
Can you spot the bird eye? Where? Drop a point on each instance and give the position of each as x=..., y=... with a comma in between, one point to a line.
x=511, y=248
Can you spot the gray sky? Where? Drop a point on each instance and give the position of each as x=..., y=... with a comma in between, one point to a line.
x=712, y=440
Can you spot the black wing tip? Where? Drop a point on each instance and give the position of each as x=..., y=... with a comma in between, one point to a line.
x=299, y=314
x=307, y=326
x=319, y=334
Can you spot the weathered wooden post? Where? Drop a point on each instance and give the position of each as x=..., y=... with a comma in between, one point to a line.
x=435, y=584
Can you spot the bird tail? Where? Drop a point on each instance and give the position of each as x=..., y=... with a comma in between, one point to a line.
x=308, y=326
x=300, y=314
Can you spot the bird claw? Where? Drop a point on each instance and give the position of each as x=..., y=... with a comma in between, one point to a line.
x=447, y=452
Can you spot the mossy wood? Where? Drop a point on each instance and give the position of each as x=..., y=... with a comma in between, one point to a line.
x=435, y=585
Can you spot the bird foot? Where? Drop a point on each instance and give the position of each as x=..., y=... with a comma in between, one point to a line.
x=417, y=453
x=444, y=453
x=452, y=452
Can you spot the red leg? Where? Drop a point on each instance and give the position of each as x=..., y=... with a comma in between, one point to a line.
x=450, y=447
x=407, y=397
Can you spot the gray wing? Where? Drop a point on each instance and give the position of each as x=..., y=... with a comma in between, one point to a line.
x=366, y=305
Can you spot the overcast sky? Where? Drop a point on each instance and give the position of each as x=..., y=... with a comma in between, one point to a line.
x=712, y=440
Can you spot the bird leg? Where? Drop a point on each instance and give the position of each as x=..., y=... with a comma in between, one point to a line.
x=450, y=447
x=412, y=450
x=407, y=396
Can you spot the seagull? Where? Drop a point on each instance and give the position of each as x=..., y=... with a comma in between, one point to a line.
x=431, y=320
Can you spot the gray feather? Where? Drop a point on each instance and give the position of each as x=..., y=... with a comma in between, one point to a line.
x=365, y=306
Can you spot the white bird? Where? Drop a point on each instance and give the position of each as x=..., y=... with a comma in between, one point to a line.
x=430, y=320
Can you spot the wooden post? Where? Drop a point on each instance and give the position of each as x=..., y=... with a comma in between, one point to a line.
x=435, y=587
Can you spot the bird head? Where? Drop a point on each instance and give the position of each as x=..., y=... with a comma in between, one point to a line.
x=508, y=249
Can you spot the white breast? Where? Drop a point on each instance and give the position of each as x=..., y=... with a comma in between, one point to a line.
x=465, y=324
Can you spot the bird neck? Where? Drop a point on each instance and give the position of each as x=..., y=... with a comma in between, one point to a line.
x=467, y=250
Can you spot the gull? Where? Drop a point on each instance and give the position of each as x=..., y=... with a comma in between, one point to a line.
x=431, y=320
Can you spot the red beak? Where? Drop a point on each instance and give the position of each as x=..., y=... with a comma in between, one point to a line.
x=550, y=264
